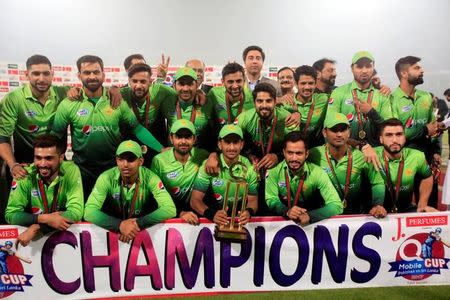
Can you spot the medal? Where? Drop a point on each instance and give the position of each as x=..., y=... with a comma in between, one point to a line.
x=362, y=134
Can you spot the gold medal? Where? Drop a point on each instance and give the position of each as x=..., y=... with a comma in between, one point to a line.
x=362, y=134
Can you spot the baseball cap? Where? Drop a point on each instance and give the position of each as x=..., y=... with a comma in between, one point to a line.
x=185, y=71
x=182, y=124
x=334, y=119
x=362, y=54
x=129, y=146
x=230, y=129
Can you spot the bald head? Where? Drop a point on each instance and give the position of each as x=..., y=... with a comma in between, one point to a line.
x=199, y=68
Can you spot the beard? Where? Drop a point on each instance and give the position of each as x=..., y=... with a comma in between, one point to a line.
x=393, y=152
x=184, y=151
x=92, y=85
x=415, y=80
x=40, y=86
x=330, y=81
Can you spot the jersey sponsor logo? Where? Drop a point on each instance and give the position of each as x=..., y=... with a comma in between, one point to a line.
x=83, y=112
x=116, y=196
x=220, y=107
x=36, y=210
x=282, y=184
x=172, y=175
x=221, y=121
x=109, y=111
x=218, y=197
x=34, y=193
x=30, y=113
x=87, y=129
x=217, y=182
x=33, y=128
x=420, y=256
x=407, y=108
x=13, y=185
x=330, y=101
x=350, y=117
x=176, y=190
x=409, y=123
x=404, y=188
x=348, y=101
x=161, y=185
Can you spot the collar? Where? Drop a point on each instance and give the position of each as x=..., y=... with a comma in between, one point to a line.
x=29, y=95
x=116, y=175
x=104, y=95
x=354, y=85
x=401, y=94
x=172, y=157
x=224, y=164
x=305, y=170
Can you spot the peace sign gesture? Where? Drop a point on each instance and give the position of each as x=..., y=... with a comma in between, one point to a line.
x=163, y=67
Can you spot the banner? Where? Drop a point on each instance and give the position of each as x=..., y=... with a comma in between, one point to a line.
x=176, y=258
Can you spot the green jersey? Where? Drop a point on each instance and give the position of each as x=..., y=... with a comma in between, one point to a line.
x=200, y=116
x=260, y=138
x=312, y=117
x=225, y=110
x=147, y=111
x=352, y=175
x=217, y=185
x=411, y=164
x=110, y=202
x=341, y=101
x=24, y=117
x=317, y=193
x=30, y=196
x=415, y=114
x=95, y=130
x=178, y=178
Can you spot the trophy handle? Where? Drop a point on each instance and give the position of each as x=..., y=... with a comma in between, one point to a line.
x=244, y=200
x=235, y=201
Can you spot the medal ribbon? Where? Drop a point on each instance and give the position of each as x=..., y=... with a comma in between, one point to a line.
x=358, y=112
x=133, y=200
x=193, y=113
x=272, y=134
x=343, y=193
x=394, y=193
x=228, y=104
x=288, y=189
x=44, y=197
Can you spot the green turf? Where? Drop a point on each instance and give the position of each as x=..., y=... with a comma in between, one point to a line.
x=382, y=293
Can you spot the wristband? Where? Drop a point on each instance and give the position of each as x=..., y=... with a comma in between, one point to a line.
x=209, y=213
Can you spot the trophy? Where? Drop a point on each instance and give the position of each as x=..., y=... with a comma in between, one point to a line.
x=233, y=232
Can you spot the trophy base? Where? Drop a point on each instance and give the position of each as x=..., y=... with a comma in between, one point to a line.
x=233, y=235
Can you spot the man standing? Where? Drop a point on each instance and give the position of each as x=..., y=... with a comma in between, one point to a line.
x=326, y=75
x=214, y=187
x=254, y=57
x=178, y=167
x=286, y=81
x=185, y=106
x=363, y=105
x=95, y=125
x=129, y=197
x=50, y=196
x=401, y=168
x=133, y=59
x=346, y=167
x=312, y=106
x=293, y=186
x=199, y=67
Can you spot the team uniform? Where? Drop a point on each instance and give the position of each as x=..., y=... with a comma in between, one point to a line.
x=179, y=178
x=399, y=180
x=311, y=189
x=349, y=176
x=110, y=202
x=342, y=101
x=214, y=187
x=24, y=118
x=312, y=117
x=30, y=197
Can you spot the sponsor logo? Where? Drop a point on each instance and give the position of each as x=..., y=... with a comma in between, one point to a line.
x=36, y=210
x=350, y=117
x=30, y=113
x=87, y=129
x=176, y=190
x=407, y=108
x=282, y=184
x=220, y=107
x=426, y=221
x=161, y=185
x=172, y=175
x=13, y=185
x=34, y=193
x=330, y=101
x=116, y=196
x=217, y=182
x=420, y=256
x=409, y=123
x=83, y=112
x=218, y=197
x=33, y=128
x=221, y=121
x=348, y=101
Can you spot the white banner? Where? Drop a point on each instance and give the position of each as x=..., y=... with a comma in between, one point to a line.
x=176, y=258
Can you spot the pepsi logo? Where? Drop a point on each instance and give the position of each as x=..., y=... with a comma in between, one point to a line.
x=176, y=190
x=33, y=128
x=13, y=185
x=161, y=186
x=330, y=101
x=350, y=117
x=221, y=121
x=36, y=210
x=86, y=129
x=218, y=197
x=409, y=123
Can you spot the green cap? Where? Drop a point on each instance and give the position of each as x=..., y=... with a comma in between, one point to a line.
x=182, y=124
x=334, y=119
x=230, y=129
x=362, y=54
x=129, y=146
x=185, y=71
